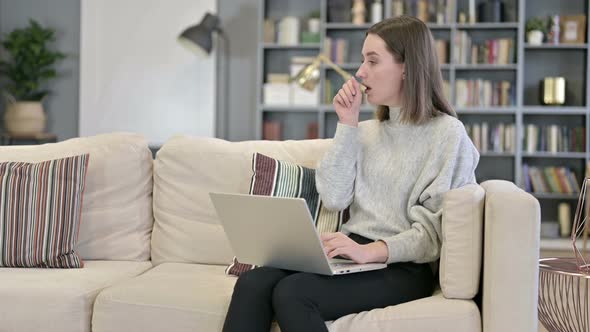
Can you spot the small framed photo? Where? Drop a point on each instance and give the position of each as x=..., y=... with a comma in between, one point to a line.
x=573, y=29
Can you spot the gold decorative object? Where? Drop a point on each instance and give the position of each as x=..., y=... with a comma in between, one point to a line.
x=553, y=91
x=309, y=76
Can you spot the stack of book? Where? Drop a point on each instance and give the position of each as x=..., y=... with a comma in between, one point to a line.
x=442, y=50
x=560, y=180
x=498, y=138
x=435, y=11
x=336, y=49
x=492, y=51
x=272, y=130
x=554, y=138
x=484, y=93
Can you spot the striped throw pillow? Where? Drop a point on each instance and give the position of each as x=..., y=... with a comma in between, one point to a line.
x=40, y=207
x=278, y=178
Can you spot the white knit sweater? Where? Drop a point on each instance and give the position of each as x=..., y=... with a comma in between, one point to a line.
x=393, y=176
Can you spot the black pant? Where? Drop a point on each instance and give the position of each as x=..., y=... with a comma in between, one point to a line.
x=303, y=301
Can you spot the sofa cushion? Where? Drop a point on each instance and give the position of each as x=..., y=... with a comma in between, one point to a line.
x=272, y=177
x=462, y=241
x=117, y=217
x=195, y=297
x=34, y=300
x=41, y=205
x=170, y=297
x=434, y=313
x=186, y=169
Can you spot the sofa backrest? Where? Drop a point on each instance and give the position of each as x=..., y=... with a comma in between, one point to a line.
x=186, y=169
x=462, y=241
x=117, y=217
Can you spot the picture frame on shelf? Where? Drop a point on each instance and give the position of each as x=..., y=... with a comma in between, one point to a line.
x=573, y=29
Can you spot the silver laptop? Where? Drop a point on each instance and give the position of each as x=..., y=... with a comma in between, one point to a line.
x=278, y=232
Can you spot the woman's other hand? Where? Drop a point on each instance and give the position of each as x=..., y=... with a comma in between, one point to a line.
x=347, y=103
x=338, y=244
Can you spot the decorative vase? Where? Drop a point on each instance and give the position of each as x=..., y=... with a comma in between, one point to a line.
x=313, y=25
x=25, y=118
x=535, y=37
x=358, y=12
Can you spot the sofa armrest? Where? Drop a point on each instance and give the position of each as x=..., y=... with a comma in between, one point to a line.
x=511, y=254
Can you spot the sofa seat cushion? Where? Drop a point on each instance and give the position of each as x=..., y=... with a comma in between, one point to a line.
x=193, y=297
x=170, y=297
x=57, y=299
x=435, y=313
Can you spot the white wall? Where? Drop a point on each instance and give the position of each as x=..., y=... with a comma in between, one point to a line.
x=135, y=76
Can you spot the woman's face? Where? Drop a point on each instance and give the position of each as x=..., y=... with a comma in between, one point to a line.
x=380, y=73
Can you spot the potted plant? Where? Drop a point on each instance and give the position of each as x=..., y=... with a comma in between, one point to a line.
x=28, y=65
x=314, y=22
x=535, y=30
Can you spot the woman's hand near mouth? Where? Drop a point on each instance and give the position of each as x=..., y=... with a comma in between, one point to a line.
x=347, y=103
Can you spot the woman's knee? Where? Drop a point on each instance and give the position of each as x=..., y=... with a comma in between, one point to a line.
x=258, y=280
x=292, y=289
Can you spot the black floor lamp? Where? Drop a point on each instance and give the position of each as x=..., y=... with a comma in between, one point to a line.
x=199, y=38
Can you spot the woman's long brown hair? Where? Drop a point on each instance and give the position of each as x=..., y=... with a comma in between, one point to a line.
x=411, y=43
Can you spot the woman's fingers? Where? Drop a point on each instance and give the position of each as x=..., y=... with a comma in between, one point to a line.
x=348, y=92
x=352, y=85
x=340, y=100
x=335, y=252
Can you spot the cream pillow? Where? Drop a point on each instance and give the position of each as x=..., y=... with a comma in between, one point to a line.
x=462, y=243
x=116, y=222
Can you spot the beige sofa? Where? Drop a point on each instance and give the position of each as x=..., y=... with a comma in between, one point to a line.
x=155, y=254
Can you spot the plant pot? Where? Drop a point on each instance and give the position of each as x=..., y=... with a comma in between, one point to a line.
x=313, y=25
x=25, y=118
x=535, y=37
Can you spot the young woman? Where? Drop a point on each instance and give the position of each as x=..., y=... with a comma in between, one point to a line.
x=393, y=172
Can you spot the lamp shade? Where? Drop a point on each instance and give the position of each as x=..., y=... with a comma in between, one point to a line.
x=200, y=35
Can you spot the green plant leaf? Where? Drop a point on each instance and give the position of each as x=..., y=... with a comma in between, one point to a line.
x=29, y=61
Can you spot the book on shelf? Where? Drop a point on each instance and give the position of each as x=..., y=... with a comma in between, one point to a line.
x=429, y=11
x=447, y=89
x=271, y=130
x=554, y=138
x=328, y=93
x=498, y=138
x=498, y=51
x=269, y=34
x=553, y=179
x=312, y=130
x=336, y=49
x=484, y=93
x=442, y=50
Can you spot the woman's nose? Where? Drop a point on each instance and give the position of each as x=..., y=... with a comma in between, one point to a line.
x=360, y=72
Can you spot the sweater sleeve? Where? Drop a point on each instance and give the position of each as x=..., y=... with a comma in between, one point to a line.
x=337, y=170
x=451, y=167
